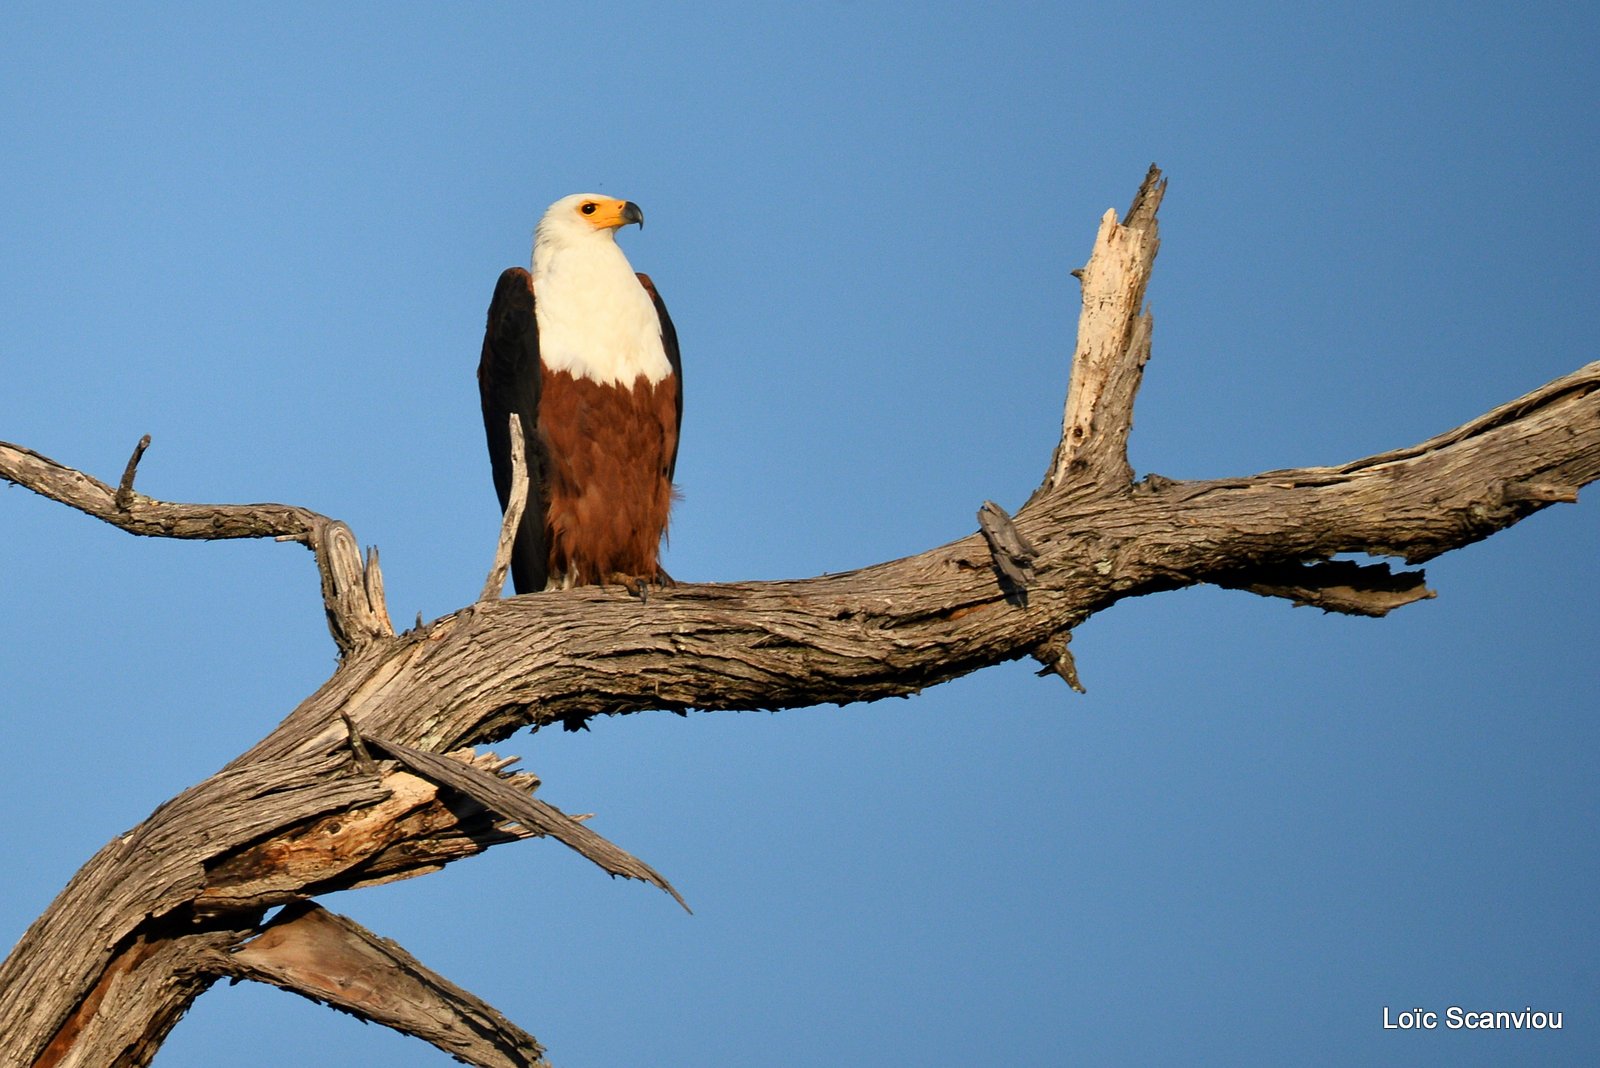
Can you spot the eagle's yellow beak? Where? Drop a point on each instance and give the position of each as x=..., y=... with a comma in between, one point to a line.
x=605, y=214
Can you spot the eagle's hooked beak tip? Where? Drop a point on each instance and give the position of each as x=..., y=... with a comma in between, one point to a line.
x=632, y=214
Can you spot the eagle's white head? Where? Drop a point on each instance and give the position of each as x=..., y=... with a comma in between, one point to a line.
x=595, y=319
x=581, y=221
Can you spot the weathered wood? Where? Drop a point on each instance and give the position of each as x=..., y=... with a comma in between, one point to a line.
x=1334, y=586
x=333, y=959
x=1013, y=556
x=298, y=815
x=1113, y=346
x=107, y=935
x=143, y=990
x=500, y=797
x=352, y=590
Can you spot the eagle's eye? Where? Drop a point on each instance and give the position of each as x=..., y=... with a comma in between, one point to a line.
x=588, y=208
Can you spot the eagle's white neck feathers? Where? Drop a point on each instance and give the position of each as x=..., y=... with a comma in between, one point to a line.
x=595, y=319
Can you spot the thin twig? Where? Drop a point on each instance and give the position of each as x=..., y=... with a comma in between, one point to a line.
x=124, y=496
x=515, y=506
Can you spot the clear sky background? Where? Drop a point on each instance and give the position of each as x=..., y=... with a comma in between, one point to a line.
x=266, y=235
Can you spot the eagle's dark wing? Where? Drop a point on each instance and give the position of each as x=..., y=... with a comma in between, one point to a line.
x=508, y=381
x=669, y=341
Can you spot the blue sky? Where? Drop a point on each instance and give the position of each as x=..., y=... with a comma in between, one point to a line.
x=266, y=236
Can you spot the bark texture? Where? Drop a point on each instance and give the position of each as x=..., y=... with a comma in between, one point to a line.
x=372, y=777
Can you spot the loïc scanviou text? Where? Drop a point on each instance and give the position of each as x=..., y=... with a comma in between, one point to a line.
x=1456, y=1018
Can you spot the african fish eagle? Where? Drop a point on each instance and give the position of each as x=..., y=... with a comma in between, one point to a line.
x=582, y=350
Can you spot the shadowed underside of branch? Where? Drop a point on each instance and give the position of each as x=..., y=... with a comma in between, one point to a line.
x=352, y=788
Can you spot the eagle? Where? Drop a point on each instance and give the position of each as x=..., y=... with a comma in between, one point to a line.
x=582, y=350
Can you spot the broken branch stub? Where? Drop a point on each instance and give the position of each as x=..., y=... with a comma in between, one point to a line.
x=1112, y=348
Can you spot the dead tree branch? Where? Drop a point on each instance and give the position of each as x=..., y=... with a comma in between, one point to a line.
x=352, y=591
x=160, y=913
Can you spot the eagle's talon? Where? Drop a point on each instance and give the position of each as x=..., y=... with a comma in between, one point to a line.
x=636, y=585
